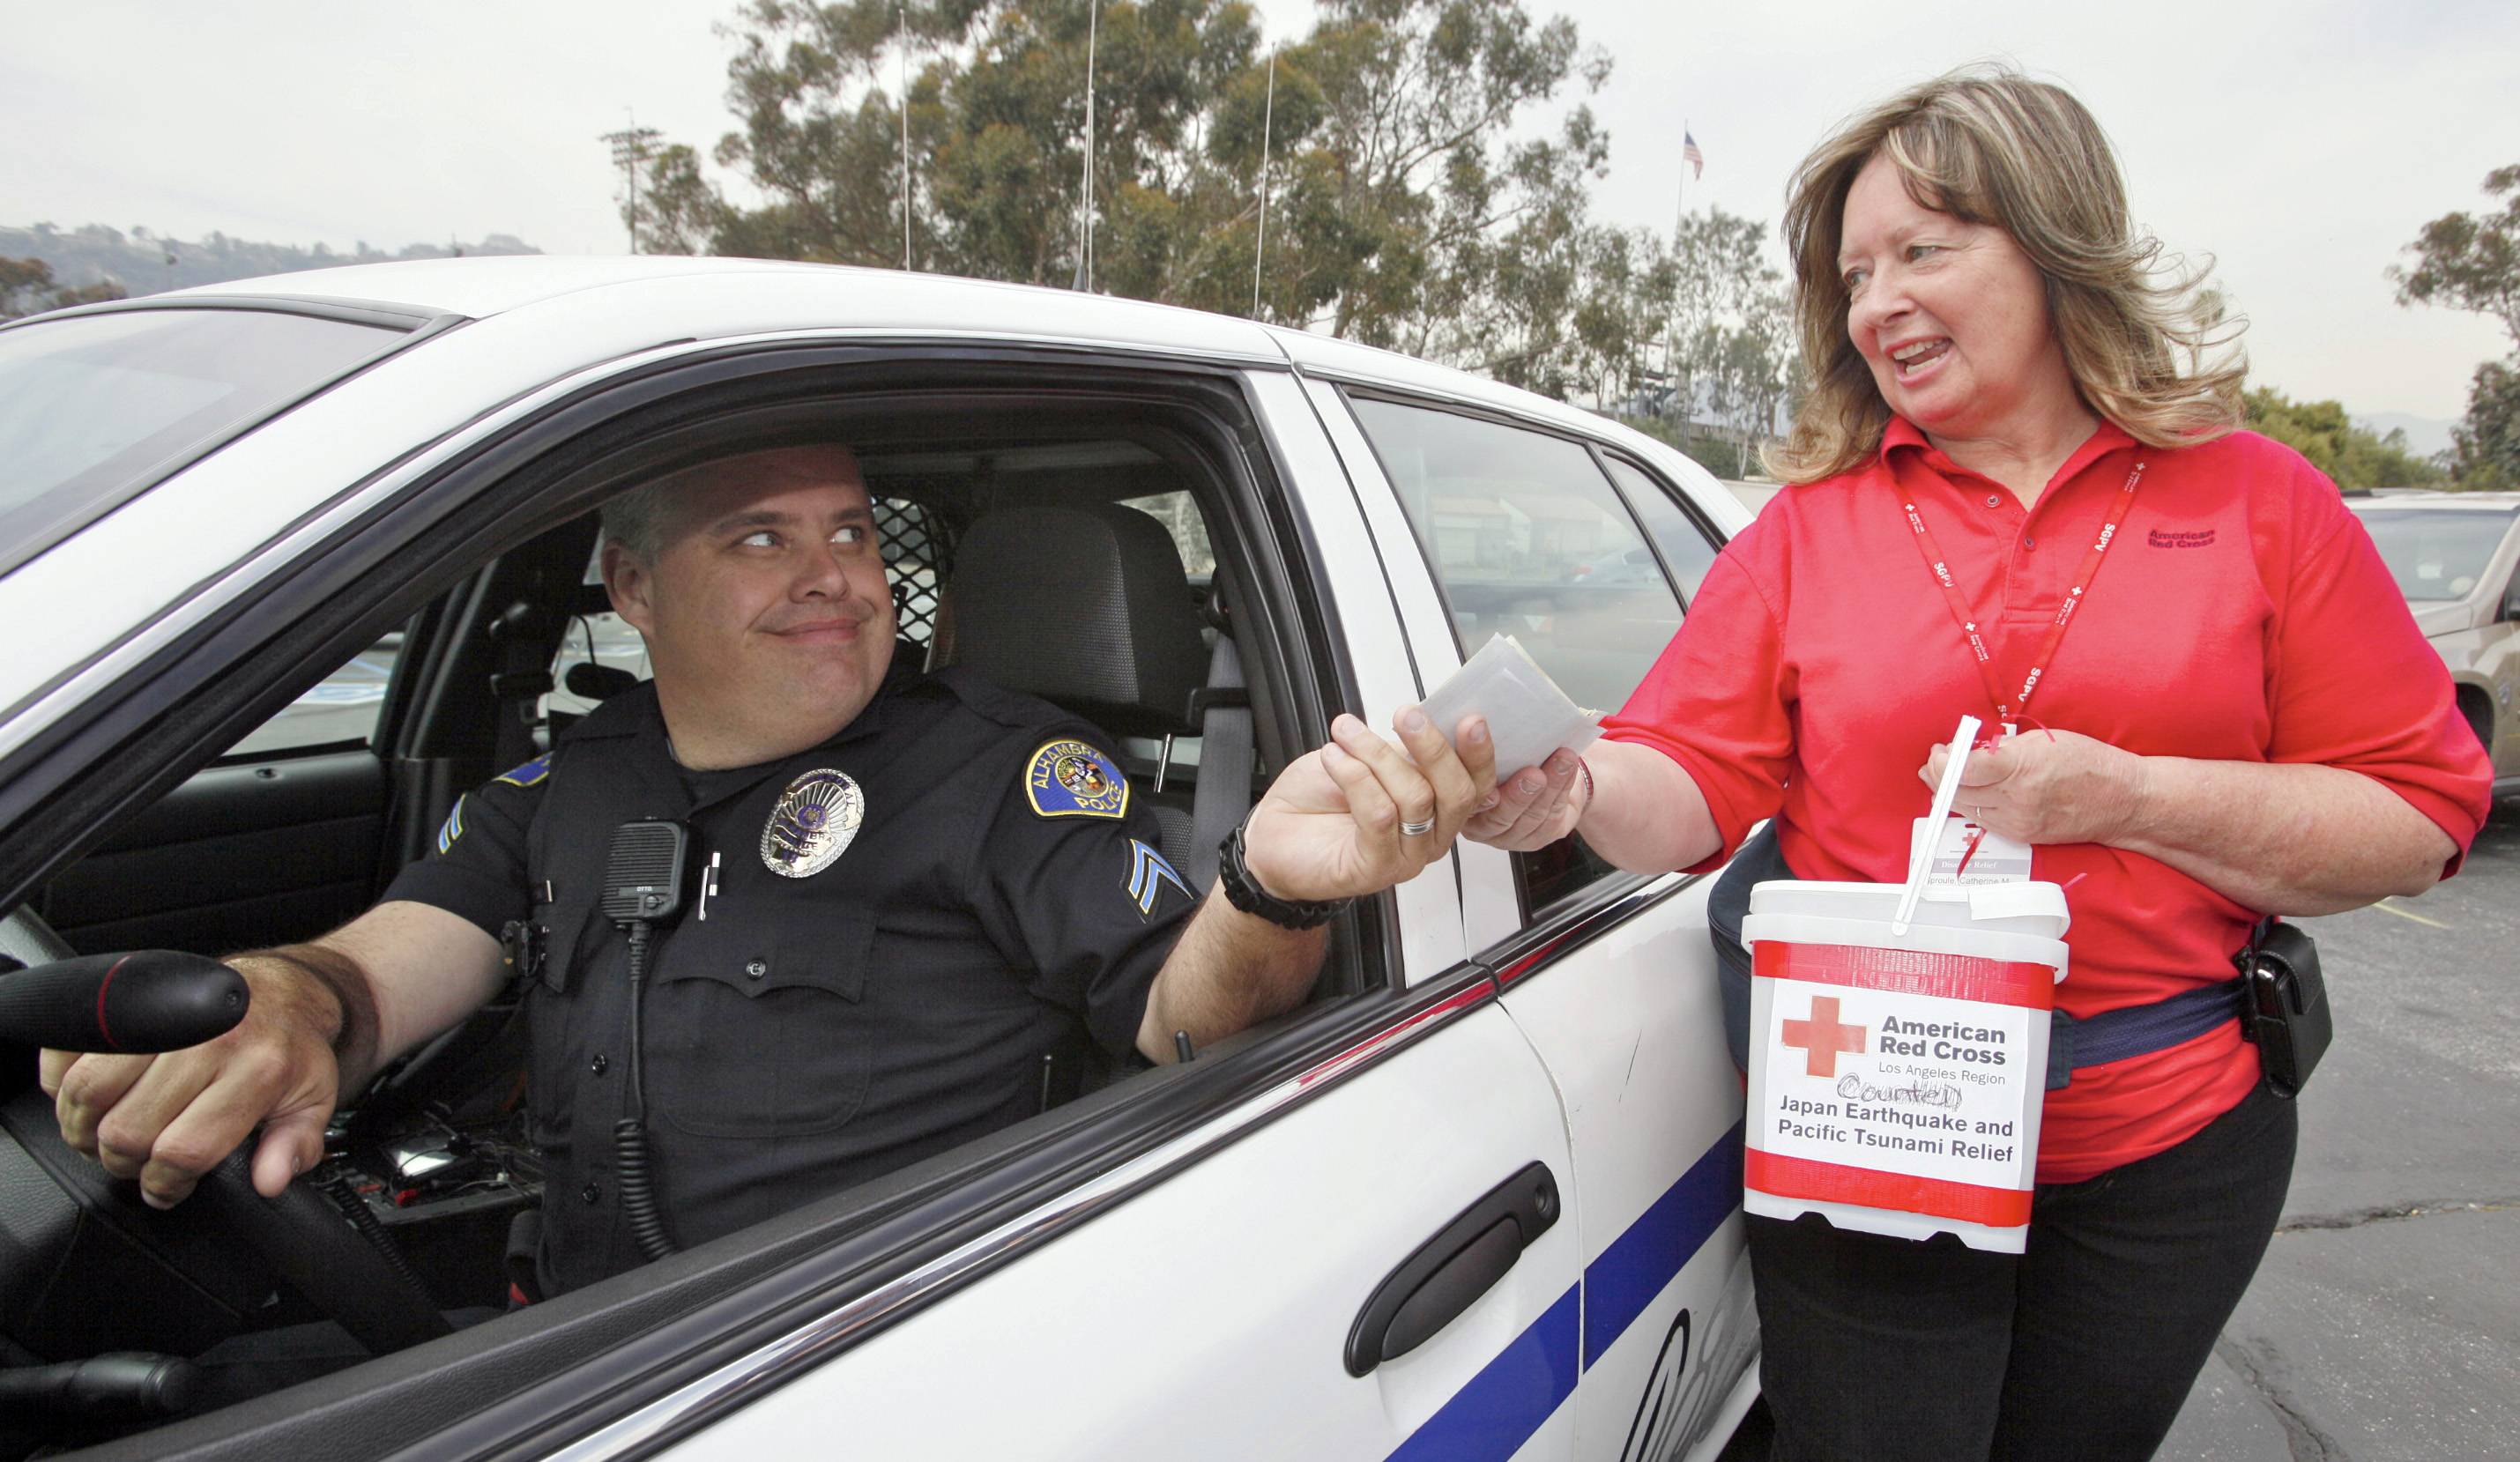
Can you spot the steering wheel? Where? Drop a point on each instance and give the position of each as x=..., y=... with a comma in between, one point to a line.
x=299, y=1238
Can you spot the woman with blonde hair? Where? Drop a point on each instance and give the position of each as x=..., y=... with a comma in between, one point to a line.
x=2236, y=719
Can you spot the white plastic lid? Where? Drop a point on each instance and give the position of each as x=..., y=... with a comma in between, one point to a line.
x=2012, y=901
x=2034, y=908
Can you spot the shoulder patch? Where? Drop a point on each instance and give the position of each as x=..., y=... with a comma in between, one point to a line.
x=453, y=827
x=1148, y=872
x=530, y=774
x=1071, y=780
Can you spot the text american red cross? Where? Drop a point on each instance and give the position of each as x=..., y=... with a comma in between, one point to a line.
x=1821, y=1037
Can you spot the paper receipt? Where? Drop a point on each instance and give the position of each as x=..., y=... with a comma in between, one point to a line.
x=1527, y=714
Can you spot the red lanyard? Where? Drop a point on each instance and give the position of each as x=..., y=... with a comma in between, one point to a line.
x=1940, y=567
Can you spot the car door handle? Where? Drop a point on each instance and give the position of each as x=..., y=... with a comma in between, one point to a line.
x=1449, y=1270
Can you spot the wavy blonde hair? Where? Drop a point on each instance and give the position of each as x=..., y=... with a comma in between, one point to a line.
x=2144, y=338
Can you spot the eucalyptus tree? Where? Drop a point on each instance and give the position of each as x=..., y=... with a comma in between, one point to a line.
x=2471, y=262
x=1415, y=194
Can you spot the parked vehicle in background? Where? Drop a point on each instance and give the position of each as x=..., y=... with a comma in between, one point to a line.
x=2456, y=557
x=1754, y=494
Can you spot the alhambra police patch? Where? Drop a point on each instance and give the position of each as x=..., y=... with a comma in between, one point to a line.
x=1071, y=780
x=530, y=774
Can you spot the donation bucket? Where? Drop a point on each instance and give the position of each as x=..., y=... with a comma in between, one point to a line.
x=1896, y=1079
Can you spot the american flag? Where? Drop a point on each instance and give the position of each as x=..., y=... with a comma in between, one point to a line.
x=1689, y=155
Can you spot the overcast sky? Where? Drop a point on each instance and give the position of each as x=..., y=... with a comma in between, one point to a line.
x=2301, y=144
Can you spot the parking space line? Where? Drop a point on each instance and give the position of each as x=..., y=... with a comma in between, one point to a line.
x=2385, y=907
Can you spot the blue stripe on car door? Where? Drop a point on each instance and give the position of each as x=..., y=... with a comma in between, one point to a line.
x=1491, y=1418
x=1642, y=1261
x=1495, y=1413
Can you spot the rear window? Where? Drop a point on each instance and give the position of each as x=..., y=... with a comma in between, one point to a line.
x=2436, y=554
x=95, y=408
x=1528, y=539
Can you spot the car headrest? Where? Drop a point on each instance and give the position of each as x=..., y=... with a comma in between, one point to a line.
x=1087, y=607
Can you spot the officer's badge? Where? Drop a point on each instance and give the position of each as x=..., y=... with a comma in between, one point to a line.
x=527, y=774
x=1148, y=872
x=1071, y=780
x=813, y=824
x=452, y=829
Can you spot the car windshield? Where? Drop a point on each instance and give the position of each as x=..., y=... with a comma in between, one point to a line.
x=2437, y=553
x=94, y=407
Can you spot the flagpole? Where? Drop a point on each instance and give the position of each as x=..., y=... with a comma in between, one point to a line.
x=1671, y=319
x=1681, y=194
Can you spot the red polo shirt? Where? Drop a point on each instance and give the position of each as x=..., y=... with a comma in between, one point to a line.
x=2241, y=614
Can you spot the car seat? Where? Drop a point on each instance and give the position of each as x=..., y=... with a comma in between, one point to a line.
x=1088, y=607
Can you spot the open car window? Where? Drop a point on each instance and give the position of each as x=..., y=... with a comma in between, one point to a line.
x=438, y=1154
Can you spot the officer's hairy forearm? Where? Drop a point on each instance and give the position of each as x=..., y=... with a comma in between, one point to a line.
x=1230, y=971
x=396, y=975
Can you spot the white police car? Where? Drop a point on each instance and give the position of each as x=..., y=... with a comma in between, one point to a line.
x=1475, y=1200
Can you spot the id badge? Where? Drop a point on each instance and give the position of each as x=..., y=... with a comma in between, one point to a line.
x=1994, y=858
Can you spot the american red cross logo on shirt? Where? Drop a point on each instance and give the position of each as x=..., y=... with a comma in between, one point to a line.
x=1821, y=1038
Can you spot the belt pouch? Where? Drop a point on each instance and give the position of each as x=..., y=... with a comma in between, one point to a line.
x=2287, y=1015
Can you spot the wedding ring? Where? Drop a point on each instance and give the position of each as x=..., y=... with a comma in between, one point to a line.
x=1418, y=829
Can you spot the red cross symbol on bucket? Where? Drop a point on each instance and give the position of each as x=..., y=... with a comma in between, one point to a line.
x=1821, y=1037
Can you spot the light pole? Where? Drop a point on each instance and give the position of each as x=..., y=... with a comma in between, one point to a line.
x=630, y=152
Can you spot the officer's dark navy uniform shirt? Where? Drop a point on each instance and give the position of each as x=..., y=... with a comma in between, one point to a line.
x=1002, y=893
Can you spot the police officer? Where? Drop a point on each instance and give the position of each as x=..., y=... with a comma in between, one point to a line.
x=915, y=888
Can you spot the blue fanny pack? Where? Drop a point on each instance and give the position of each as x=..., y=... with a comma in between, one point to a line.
x=2072, y=1042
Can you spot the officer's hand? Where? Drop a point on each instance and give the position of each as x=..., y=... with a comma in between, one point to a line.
x=1330, y=826
x=1533, y=808
x=166, y=1119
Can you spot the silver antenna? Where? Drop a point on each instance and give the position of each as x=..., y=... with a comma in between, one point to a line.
x=1085, y=185
x=1268, y=120
x=905, y=136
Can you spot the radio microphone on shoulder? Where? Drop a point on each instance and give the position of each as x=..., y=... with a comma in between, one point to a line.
x=643, y=887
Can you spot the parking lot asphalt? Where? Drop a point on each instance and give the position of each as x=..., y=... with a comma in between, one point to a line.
x=2385, y=1321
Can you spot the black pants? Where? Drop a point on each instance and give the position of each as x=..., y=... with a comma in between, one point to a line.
x=2084, y=1347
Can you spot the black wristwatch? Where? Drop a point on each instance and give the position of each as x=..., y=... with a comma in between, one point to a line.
x=1244, y=892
